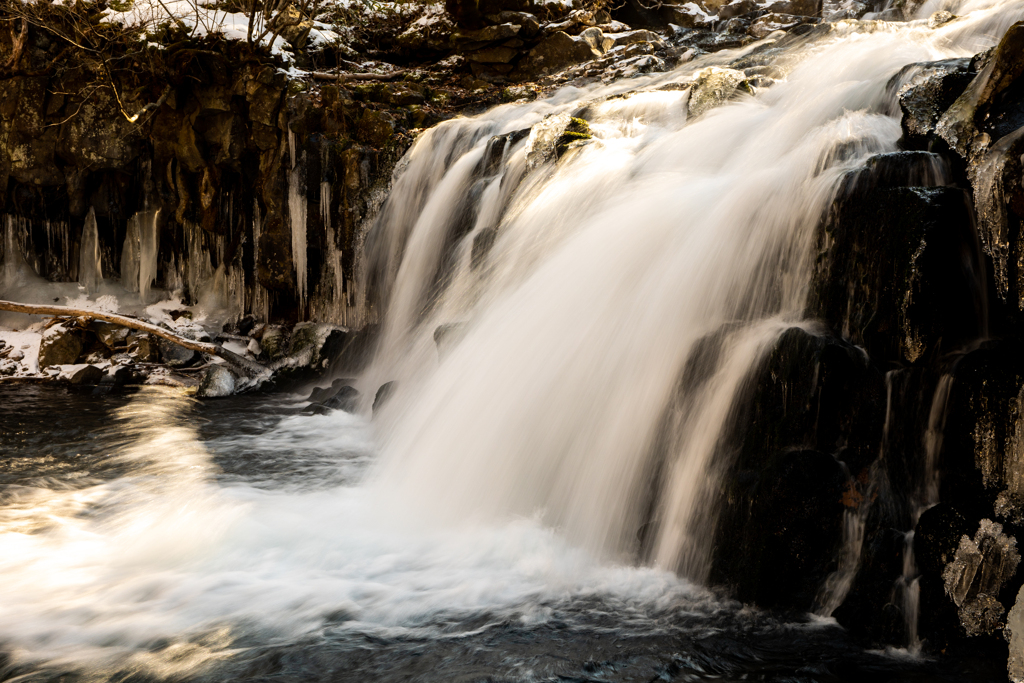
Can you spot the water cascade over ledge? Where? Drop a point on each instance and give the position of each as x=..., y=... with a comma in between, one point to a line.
x=632, y=374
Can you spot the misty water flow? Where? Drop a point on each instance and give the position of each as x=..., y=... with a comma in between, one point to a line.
x=521, y=478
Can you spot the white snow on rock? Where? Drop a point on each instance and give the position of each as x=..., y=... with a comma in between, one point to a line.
x=27, y=343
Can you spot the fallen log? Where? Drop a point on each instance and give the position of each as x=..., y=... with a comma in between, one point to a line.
x=249, y=367
x=344, y=77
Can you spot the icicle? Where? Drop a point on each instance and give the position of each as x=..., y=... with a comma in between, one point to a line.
x=130, y=256
x=90, y=270
x=297, y=214
x=149, y=245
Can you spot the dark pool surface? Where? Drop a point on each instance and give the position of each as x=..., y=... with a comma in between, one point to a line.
x=59, y=439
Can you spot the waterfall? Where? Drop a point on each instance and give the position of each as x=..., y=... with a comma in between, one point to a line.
x=651, y=266
x=90, y=269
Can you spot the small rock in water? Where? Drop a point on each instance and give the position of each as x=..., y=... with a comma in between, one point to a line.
x=940, y=18
x=713, y=86
x=81, y=374
x=321, y=394
x=383, y=394
x=347, y=399
x=59, y=346
x=118, y=375
x=446, y=336
x=217, y=382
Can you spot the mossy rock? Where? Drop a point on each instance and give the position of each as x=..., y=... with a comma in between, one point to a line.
x=578, y=129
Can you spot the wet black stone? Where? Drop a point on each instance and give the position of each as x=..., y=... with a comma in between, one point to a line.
x=347, y=399
x=815, y=410
x=383, y=394
x=899, y=271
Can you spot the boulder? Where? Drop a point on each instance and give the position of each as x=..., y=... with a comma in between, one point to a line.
x=926, y=91
x=559, y=51
x=736, y=8
x=347, y=400
x=814, y=401
x=689, y=15
x=110, y=335
x=528, y=24
x=493, y=55
x=898, y=267
x=321, y=394
x=85, y=375
x=175, y=355
x=216, y=383
x=447, y=336
x=143, y=347
x=805, y=8
x=980, y=102
x=632, y=37
x=274, y=342
x=60, y=345
x=712, y=87
x=770, y=23
x=384, y=392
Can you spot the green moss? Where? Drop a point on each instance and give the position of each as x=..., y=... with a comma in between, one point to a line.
x=578, y=129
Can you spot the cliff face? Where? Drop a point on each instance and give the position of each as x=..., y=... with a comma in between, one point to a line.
x=245, y=171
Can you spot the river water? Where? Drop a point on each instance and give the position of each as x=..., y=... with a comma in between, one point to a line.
x=149, y=536
x=485, y=524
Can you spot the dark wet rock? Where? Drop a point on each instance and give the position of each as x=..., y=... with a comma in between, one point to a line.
x=347, y=400
x=937, y=537
x=735, y=9
x=83, y=375
x=316, y=344
x=482, y=244
x=804, y=8
x=528, y=24
x=174, y=355
x=687, y=16
x=898, y=271
x=218, y=382
x=384, y=392
x=321, y=394
x=274, y=342
x=447, y=336
x=815, y=401
x=110, y=335
x=926, y=91
x=60, y=345
x=558, y=51
x=143, y=347
x=770, y=23
x=981, y=101
x=119, y=375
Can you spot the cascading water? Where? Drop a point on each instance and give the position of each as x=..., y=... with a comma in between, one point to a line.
x=524, y=479
x=607, y=269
